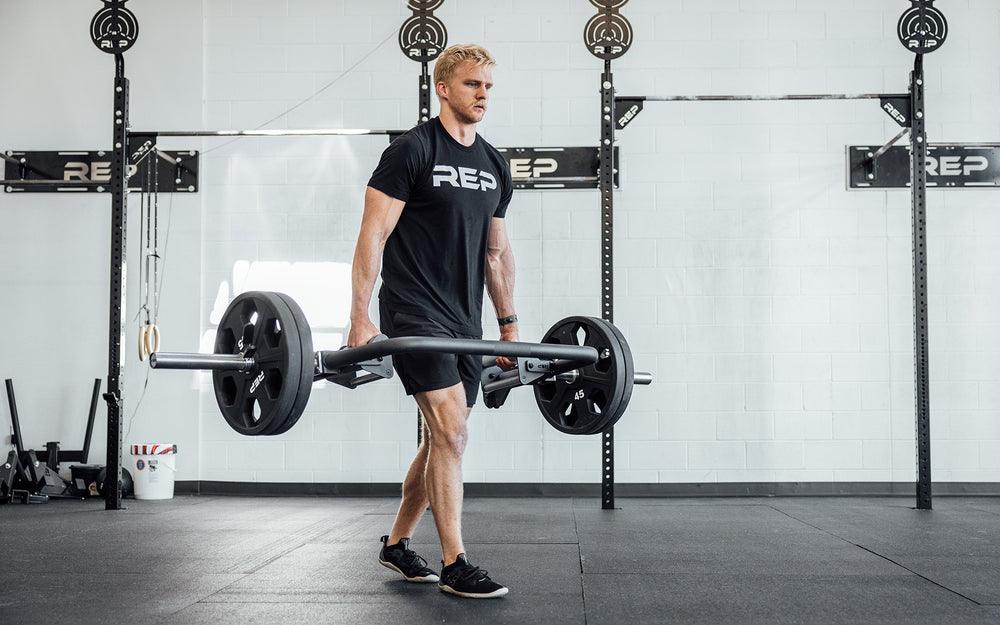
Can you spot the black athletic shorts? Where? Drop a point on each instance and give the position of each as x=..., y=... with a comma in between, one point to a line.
x=420, y=372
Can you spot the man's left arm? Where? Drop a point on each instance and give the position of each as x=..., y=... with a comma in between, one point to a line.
x=500, y=278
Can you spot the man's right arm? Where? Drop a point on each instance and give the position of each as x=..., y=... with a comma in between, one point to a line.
x=377, y=223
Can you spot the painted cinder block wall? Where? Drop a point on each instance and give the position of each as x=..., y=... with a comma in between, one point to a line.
x=772, y=305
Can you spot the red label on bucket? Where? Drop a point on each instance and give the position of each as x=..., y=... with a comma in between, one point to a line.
x=158, y=449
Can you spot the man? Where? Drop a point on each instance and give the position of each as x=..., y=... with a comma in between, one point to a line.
x=434, y=217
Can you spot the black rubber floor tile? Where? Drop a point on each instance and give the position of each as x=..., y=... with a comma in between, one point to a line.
x=509, y=521
x=768, y=599
x=99, y=598
x=333, y=582
x=720, y=539
x=954, y=527
x=429, y=607
x=975, y=577
x=342, y=572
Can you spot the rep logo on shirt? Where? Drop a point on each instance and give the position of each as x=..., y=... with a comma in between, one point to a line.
x=464, y=177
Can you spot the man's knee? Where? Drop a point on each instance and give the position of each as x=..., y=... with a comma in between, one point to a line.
x=453, y=439
x=445, y=417
x=449, y=435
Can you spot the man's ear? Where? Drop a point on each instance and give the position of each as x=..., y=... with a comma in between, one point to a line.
x=442, y=89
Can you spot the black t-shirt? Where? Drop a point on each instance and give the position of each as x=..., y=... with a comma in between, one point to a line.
x=434, y=262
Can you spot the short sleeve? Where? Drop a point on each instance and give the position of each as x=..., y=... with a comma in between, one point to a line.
x=399, y=168
x=506, y=189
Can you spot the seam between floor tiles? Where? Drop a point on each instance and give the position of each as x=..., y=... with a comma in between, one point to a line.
x=278, y=548
x=879, y=555
x=579, y=552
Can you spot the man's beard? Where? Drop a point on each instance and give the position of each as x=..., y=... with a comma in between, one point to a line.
x=463, y=116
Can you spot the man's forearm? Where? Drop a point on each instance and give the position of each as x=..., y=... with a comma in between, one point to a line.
x=364, y=271
x=500, y=283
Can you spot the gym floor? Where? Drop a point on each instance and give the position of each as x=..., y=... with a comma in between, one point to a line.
x=206, y=559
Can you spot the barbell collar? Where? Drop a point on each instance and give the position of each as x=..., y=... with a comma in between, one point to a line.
x=211, y=362
x=580, y=354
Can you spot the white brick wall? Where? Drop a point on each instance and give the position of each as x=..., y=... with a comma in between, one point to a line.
x=772, y=306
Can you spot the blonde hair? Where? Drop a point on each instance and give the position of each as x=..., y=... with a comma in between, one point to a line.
x=453, y=56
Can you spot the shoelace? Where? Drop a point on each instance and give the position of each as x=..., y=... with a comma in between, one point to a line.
x=472, y=574
x=410, y=558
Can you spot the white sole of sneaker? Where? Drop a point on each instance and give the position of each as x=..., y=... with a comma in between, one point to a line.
x=416, y=580
x=468, y=595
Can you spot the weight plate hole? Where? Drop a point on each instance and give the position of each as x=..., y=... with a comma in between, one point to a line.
x=546, y=391
x=228, y=391
x=599, y=399
x=272, y=383
x=225, y=341
x=272, y=332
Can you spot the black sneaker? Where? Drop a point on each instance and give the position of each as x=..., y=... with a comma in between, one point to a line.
x=402, y=559
x=465, y=580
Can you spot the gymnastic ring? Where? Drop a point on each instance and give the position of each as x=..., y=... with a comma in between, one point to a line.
x=152, y=338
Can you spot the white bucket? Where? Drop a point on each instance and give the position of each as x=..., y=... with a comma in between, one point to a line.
x=153, y=471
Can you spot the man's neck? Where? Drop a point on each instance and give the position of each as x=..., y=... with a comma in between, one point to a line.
x=463, y=133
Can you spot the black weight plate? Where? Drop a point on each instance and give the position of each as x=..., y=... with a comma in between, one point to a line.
x=622, y=358
x=258, y=324
x=629, y=378
x=586, y=404
x=308, y=364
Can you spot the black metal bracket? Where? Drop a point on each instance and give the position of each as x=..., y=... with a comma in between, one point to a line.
x=531, y=369
x=626, y=109
x=870, y=163
x=898, y=107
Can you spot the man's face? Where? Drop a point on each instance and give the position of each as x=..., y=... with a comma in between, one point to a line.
x=468, y=91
